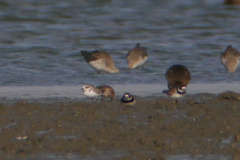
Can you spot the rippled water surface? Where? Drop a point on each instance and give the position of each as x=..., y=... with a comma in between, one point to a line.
x=40, y=41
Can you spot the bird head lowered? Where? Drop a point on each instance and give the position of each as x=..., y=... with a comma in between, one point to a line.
x=176, y=92
x=127, y=96
x=128, y=99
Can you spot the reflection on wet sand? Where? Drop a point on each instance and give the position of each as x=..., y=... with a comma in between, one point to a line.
x=74, y=92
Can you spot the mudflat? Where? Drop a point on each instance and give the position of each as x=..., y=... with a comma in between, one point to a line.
x=154, y=128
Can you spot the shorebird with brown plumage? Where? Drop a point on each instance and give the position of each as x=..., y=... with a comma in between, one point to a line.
x=137, y=56
x=100, y=60
x=230, y=59
x=178, y=78
x=107, y=91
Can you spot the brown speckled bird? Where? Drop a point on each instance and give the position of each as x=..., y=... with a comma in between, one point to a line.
x=100, y=60
x=230, y=59
x=107, y=91
x=137, y=56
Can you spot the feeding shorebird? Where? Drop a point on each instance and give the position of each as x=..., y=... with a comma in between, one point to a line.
x=178, y=78
x=128, y=99
x=230, y=59
x=137, y=56
x=91, y=91
x=107, y=91
x=100, y=60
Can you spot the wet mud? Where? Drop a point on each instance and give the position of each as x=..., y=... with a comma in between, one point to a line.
x=154, y=128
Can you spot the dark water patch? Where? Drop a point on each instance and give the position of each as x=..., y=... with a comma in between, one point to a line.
x=13, y=18
x=4, y=4
x=44, y=50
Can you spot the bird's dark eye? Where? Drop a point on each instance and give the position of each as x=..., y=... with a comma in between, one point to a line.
x=182, y=88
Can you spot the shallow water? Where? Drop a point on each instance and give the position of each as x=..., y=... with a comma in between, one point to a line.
x=41, y=40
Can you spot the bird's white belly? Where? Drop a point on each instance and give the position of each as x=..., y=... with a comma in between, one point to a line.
x=175, y=95
x=224, y=60
x=90, y=94
x=98, y=64
x=140, y=63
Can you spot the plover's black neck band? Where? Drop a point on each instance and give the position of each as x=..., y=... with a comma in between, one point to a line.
x=181, y=93
x=128, y=101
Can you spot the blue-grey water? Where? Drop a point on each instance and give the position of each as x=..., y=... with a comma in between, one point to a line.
x=40, y=41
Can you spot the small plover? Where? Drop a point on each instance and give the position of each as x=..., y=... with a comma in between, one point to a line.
x=128, y=99
x=230, y=59
x=91, y=91
x=107, y=91
x=137, y=56
x=178, y=78
x=100, y=60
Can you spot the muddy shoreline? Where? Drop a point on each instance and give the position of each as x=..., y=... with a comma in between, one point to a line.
x=155, y=128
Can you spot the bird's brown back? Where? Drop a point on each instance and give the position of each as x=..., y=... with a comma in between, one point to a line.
x=230, y=52
x=137, y=52
x=100, y=55
x=178, y=75
x=108, y=91
x=95, y=55
x=135, y=55
x=97, y=90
